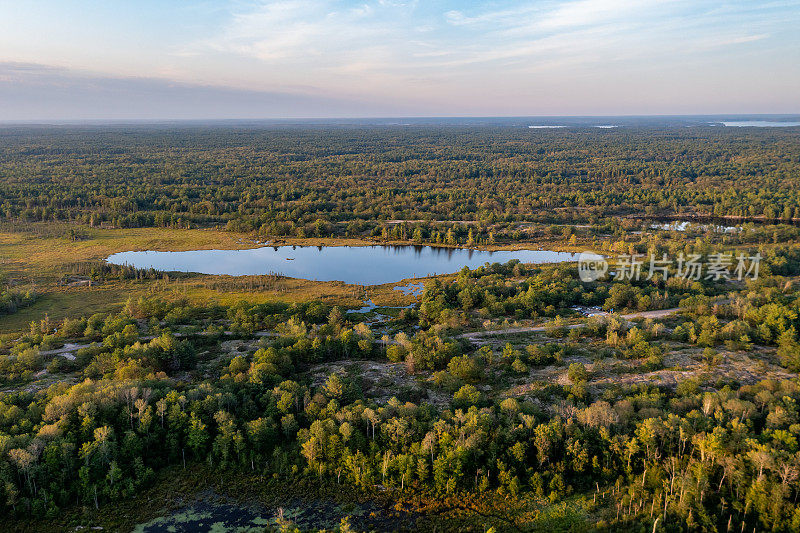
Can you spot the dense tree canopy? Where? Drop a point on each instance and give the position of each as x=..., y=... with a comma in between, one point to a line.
x=494, y=385
x=352, y=181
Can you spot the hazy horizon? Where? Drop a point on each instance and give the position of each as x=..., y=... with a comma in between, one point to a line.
x=567, y=121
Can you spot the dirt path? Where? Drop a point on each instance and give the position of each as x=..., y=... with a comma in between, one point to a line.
x=67, y=349
x=661, y=313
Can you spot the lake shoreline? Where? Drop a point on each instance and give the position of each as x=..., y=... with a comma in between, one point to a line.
x=355, y=265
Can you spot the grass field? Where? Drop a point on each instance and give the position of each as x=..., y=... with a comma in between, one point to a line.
x=38, y=255
x=39, y=251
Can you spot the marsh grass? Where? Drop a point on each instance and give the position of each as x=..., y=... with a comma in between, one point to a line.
x=41, y=255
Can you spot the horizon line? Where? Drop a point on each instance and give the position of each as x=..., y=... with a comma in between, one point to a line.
x=166, y=120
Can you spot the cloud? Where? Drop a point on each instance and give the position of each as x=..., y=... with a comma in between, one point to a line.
x=41, y=92
x=722, y=40
x=359, y=57
x=383, y=41
x=593, y=12
x=292, y=30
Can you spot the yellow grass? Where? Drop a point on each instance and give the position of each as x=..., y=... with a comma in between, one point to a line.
x=40, y=254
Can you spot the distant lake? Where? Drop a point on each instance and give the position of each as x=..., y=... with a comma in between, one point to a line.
x=549, y=126
x=759, y=124
x=364, y=265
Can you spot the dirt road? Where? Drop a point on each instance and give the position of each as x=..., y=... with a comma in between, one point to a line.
x=661, y=313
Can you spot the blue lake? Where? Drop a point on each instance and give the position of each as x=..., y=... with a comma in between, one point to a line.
x=759, y=124
x=364, y=265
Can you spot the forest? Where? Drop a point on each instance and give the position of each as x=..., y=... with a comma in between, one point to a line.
x=326, y=181
x=507, y=397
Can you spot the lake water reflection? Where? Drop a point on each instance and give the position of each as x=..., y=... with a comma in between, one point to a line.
x=365, y=265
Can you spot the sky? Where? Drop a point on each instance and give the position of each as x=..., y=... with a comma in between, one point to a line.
x=216, y=59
